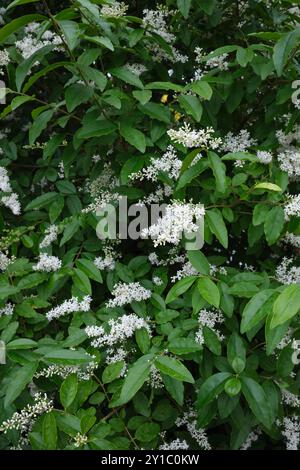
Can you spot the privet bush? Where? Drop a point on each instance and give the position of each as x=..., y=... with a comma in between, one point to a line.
x=129, y=343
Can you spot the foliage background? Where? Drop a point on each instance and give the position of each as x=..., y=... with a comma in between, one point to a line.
x=70, y=103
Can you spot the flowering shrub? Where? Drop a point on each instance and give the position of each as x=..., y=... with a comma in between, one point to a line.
x=124, y=343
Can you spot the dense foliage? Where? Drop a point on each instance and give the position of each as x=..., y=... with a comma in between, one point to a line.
x=129, y=344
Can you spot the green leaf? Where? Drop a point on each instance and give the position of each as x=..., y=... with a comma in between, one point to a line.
x=68, y=390
x=164, y=86
x=209, y=291
x=268, y=186
x=16, y=24
x=217, y=226
x=260, y=214
x=39, y=125
x=101, y=41
x=156, y=111
x=173, y=368
x=199, y=261
x=143, y=96
x=179, y=288
x=134, y=137
x=207, y=6
x=219, y=171
x=142, y=339
x=233, y=386
x=202, y=89
x=42, y=201
x=20, y=379
x=126, y=76
x=184, y=7
x=89, y=269
x=191, y=105
x=112, y=371
x=21, y=343
x=189, y=174
x=49, y=431
x=287, y=305
x=212, y=341
x=70, y=31
x=82, y=282
x=69, y=231
x=244, y=56
x=67, y=357
x=147, y=432
x=7, y=290
x=183, y=346
x=16, y=3
x=211, y=388
x=274, y=335
x=236, y=353
x=96, y=128
x=24, y=68
x=257, y=401
x=77, y=94
x=283, y=48
x=255, y=311
x=134, y=380
x=274, y=224
x=175, y=388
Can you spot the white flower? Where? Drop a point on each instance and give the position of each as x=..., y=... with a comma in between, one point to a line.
x=5, y=261
x=219, y=62
x=51, y=234
x=4, y=58
x=169, y=163
x=189, y=420
x=136, y=69
x=70, y=306
x=83, y=372
x=292, y=239
x=7, y=310
x=47, y=263
x=264, y=157
x=80, y=440
x=194, y=138
x=252, y=437
x=106, y=263
x=292, y=207
x=24, y=420
x=178, y=218
x=115, y=10
x=290, y=399
x=289, y=161
x=157, y=281
x=119, y=330
x=237, y=143
x=186, y=270
x=4, y=181
x=32, y=41
x=177, y=444
x=209, y=318
x=12, y=202
x=291, y=432
x=286, y=273
x=126, y=293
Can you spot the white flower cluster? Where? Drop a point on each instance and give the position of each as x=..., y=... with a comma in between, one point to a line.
x=7, y=310
x=47, y=263
x=253, y=437
x=4, y=59
x=159, y=195
x=291, y=432
x=177, y=444
x=189, y=421
x=155, y=21
x=127, y=293
x=5, y=261
x=136, y=69
x=154, y=380
x=83, y=372
x=292, y=239
x=32, y=41
x=186, y=270
x=289, y=161
x=194, y=138
x=70, y=306
x=51, y=234
x=101, y=197
x=23, y=420
x=120, y=329
x=12, y=199
x=264, y=157
x=286, y=139
x=115, y=10
x=107, y=263
x=179, y=218
x=157, y=281
x=173, y=258
x=80, y=440
x=286, y=273
x=292, y=207
x=286, y=340
x=203, y=68
x=290, y=399
x=209, y=318
x=117, y=355
x=169, y=163
x=237, y=143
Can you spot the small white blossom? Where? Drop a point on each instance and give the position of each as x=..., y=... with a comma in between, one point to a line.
x=12, y=202
x=264, y=157
x=237, y=143
x=286, y=273
x=70, y=306
x=7, y=310
x=253, y=436
x=177, y=444
x=115, y=10
x=51, y=234
x=189, y=421
x=80, y=440
x=290, y=399
x=194, y=138
x=47, y=263
x=126, y=293
x=209, y=318
x=292, y=207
